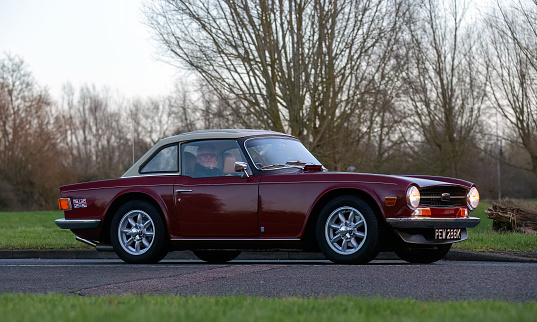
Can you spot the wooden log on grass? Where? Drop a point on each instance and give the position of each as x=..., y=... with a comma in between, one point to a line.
x=509, y=215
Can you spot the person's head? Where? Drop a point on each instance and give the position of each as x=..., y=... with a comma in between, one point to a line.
x=206, y=155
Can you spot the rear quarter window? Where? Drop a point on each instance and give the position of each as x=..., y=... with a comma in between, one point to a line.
x=164, y=161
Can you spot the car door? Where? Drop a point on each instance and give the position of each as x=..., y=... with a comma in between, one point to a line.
x=215, y=202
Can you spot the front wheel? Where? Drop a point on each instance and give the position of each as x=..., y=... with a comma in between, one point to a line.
x=422, y=254
x=138, y=234
x=216, y=256
x=347, y=231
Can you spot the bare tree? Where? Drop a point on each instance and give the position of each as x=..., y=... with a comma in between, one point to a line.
x=446, y=85
x=96, y=133
x=300, y=66
x=154, y=118
x=513, y=58
x=183, y=105
x=28, y=140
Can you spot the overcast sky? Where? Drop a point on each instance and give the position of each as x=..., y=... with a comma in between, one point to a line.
x=101, y=42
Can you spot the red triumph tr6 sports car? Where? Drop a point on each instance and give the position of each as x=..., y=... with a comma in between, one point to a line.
x=217, y=192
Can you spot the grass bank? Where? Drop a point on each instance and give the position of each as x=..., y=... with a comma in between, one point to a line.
x=482, y=238
x=37, y=230
x=169, y=308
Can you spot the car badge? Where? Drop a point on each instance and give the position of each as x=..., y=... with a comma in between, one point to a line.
x=446, y=196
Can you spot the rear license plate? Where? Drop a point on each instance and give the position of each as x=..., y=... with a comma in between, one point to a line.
x=447, y=234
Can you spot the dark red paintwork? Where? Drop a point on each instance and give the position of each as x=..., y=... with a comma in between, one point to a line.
x=236, y=208
x=267, y=209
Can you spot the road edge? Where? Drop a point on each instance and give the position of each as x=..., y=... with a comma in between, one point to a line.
x=453, y=255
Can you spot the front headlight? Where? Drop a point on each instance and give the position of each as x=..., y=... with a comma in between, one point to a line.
x=413, y=197
x=472, y=198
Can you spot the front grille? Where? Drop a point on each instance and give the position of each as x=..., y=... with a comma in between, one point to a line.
x=443, y=197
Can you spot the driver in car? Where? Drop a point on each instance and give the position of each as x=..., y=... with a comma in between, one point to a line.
x=206, y=162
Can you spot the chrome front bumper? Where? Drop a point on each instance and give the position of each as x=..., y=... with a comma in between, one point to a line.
x=77, y=223
x=426, y=222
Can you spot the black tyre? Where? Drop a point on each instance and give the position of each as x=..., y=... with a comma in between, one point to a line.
x=216, y=256
x=138, y=233
x=422, y=254
x=348, y=231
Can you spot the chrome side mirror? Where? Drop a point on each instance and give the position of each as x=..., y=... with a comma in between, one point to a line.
x=241, y=167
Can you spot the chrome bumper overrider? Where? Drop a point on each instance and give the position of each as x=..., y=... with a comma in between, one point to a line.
x=413, y=222
x=77, y=223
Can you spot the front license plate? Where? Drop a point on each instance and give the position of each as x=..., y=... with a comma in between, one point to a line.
x=447, y=234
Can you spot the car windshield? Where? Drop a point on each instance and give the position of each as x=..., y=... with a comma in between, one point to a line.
x=277, y=153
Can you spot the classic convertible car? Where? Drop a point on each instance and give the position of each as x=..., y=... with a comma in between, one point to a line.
x=217, y=192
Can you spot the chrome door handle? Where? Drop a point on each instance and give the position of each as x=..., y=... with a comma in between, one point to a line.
x=177, y=192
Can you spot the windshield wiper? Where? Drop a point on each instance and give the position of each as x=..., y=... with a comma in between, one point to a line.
x=289, y=164
x=276, y=166
x=297, y=163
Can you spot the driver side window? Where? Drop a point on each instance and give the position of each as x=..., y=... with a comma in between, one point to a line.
x=210, y=158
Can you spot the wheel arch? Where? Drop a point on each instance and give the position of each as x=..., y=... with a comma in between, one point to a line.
x=308, y=236
x=121, y=200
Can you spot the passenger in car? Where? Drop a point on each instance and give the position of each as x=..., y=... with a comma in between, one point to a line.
x=229, y=164
x=205, y=162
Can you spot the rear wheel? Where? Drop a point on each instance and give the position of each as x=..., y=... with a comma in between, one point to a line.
x=216, y=256
x=138, y=234
x=422, y=254
x=347, y=231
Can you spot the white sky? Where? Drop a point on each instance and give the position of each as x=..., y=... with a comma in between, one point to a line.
x=100, y=42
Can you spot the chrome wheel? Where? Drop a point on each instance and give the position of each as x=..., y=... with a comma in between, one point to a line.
x=348, y=231
x=136, y=232
x=345, y=230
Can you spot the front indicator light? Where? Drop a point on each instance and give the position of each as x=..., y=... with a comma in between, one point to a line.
x=390, y=201
x=473, y=198
x=64, y=203
x=413, y=197
x=422, y=212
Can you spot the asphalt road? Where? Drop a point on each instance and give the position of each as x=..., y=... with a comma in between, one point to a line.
x=444, y=280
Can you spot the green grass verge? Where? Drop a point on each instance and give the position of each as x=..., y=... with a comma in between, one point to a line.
x=17, y=307
x=35, y=230
x=482, y=238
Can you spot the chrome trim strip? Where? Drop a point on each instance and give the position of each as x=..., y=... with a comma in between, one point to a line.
x=217, y=184
x=332, y=181
x=425, y=222
x=440, y=197
x=235, y=239
x=153, y=175
x=181, y=191
x=77, y=223
x=117, y=187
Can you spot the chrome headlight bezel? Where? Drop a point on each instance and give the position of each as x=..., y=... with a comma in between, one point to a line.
x=413, y=197
x=472, y=198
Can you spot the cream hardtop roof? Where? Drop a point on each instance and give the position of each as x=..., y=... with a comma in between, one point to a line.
x=198, y=135
x=217, y=134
